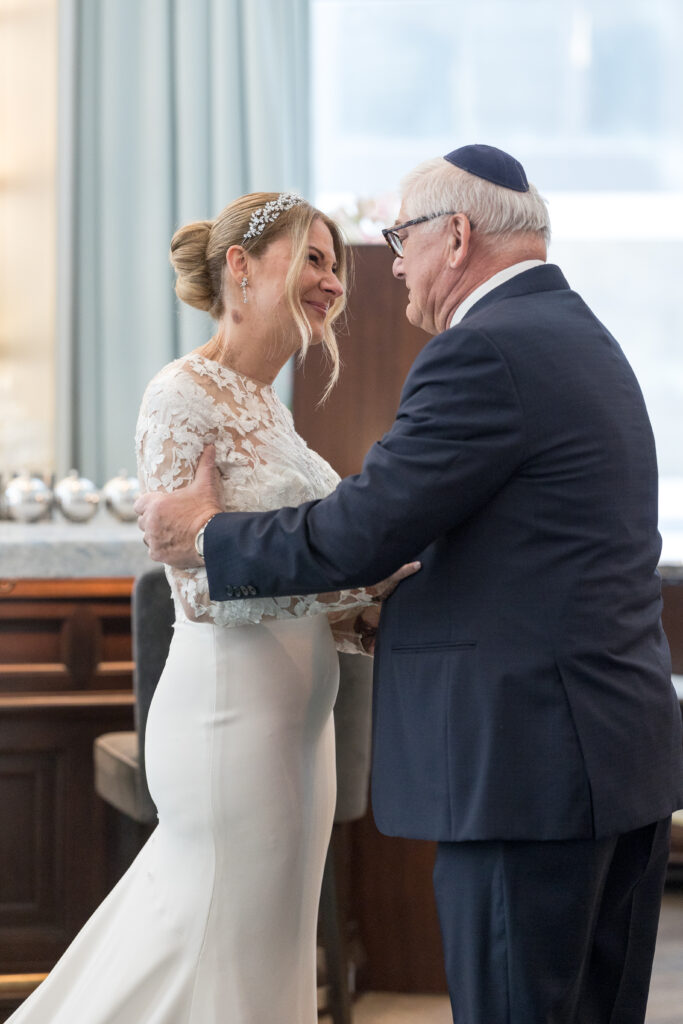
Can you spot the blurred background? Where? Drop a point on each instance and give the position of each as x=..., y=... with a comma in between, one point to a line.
x=119, y=119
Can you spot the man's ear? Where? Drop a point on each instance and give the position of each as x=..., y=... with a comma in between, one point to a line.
x=459, y=231
x=236, y=261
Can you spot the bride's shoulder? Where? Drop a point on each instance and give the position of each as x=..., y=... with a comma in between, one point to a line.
x=187, y=371
x=173, y=371
x=175, y=383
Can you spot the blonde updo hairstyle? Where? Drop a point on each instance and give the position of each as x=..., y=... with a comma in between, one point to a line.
x=198, y=252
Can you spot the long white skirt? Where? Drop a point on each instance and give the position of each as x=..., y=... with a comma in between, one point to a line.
x=215, y=921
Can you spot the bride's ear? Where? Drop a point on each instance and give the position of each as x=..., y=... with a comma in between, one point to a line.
x=236, y=261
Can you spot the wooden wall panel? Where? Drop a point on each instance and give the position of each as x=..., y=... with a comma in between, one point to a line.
x=672, y=619
x=377, y=349
x=65, y=678
x=54, y=857
x=385, y=882
x=31, y=794
x=69, y=644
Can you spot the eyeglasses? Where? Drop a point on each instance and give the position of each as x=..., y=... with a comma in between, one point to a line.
x=391, y=234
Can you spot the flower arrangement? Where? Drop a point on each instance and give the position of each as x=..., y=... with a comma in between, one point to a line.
x=362, y=219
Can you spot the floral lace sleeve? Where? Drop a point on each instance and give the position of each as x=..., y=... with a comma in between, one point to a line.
x=346, y=636
x=264, y=464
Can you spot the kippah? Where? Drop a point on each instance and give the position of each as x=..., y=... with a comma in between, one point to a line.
x=492, y=164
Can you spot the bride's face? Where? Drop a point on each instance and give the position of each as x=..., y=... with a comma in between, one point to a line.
x=319, y=285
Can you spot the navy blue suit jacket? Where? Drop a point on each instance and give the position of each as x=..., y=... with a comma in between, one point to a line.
x=522, y=678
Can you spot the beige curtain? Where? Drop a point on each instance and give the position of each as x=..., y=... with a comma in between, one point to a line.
x=28, y=146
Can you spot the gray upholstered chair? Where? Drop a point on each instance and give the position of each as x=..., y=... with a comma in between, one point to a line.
x=676, y=856
x=672, y=616
x=352, y=719
x=120, y=758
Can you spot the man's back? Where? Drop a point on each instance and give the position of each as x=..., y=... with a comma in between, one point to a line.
x=536, y=662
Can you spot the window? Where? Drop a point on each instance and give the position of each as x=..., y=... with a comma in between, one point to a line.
x=28, y=110
x=586, y=93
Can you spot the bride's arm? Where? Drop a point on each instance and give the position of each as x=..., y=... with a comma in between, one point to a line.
x=175, y=424
x=354, y=629
x=351, y=632
x=178, y=418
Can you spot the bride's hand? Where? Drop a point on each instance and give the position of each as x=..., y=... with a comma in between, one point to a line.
x=368, y=619
x=366, y=627
x=380, y=591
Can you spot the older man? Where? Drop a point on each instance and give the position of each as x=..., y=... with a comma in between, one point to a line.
x=524, y=715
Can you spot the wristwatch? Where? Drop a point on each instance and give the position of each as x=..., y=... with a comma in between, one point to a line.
x=199, y=539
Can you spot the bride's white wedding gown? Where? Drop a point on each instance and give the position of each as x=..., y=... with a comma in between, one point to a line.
x=215, y=921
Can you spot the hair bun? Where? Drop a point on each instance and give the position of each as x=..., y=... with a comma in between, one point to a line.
x=188, y=258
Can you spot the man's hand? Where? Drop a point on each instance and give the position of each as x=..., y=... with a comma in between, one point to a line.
x=170, y=522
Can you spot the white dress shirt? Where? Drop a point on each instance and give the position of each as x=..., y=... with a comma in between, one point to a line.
x=488, y=286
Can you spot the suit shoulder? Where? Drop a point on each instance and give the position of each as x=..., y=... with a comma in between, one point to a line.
x=459, y=346
x=461, y=363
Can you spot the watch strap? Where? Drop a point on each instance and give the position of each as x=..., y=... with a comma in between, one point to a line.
x=199, y=539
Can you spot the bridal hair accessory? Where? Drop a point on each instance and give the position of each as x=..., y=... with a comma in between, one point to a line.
x=270, y=212
x=243, y=285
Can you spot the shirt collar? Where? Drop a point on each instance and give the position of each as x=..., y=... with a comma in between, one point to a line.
x=488, y=286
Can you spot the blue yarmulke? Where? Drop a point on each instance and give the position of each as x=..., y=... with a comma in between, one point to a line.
x=492, y=164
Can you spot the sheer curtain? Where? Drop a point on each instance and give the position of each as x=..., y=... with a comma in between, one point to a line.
x=168, y=110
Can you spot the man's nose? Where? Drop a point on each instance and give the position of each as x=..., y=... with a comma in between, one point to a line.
x=397, y=268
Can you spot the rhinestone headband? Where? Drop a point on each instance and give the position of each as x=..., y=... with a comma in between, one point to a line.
x=270, y=212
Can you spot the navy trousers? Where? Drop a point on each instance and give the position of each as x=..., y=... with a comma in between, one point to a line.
x=551, y=932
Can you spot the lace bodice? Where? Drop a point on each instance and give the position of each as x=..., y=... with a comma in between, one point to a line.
x=263, y=462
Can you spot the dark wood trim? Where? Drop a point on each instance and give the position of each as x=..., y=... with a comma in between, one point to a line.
x=90, y=587
x=78, y=701
x=19, y=986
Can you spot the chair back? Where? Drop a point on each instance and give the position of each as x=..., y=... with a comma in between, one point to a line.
x=672, y=614
x=352, y=726
x=153, y=615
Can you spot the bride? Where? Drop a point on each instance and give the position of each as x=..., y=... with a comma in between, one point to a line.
x=215, y=921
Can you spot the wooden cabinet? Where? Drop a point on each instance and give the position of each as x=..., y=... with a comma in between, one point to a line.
x=65, y=678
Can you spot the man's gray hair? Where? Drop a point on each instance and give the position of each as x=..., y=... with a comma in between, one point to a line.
x=438, y=186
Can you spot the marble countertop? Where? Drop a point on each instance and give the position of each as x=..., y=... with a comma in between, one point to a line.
x=57, y=549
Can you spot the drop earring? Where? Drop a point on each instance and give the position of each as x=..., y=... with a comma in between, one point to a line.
x=243, y=286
